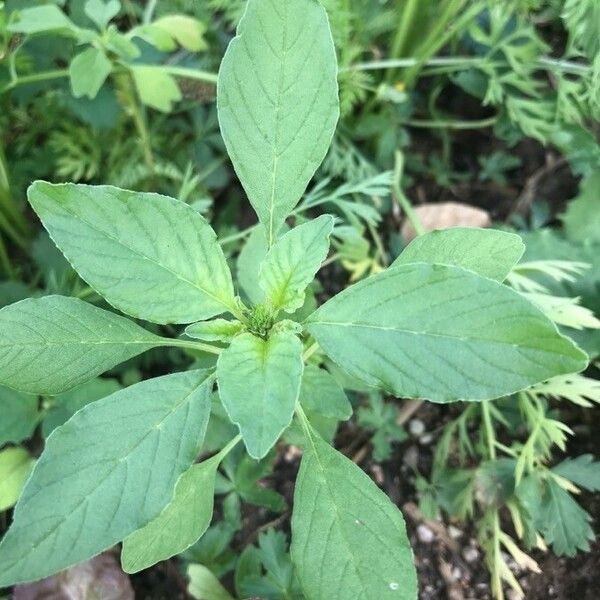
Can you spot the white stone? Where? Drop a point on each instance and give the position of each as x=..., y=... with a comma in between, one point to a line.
x=425, y=534
x=470, y=554
x=416, y=427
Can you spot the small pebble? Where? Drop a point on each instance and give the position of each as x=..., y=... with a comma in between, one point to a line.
x=454, y=532
x=292, y=453
x=456, y=574
x=426, y=439
x=513, y=595
x=416, y=427
x=425, y=534
x=411, y=457
x=470, y=554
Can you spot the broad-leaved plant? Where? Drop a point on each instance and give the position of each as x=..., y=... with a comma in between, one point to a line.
x=439, y=324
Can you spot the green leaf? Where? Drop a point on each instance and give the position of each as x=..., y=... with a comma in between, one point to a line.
x=15, y=466
x=100, y=12
x=381, y=418
x=39, y=19
x=259, y=383
x=244, y=478
x=348, y=539
x=441, y=333
x=248, y=265
x=106, y=473
x=156, y=87
x=180, y=524
x=155, y=36
x=322, y=394
x=277, y=98
x=120, y=44
x=51, y=344
x=217, y=330
x=292, y=263
x=488, y=252
x=204, y=585
x=582, y=218
x=150, y=256
x=65, y=405
x=88, y=72
x=188, y=32
x=266, y=571
x=251, y=257
x=563, y=522
x=582, y=471
x=19, y=415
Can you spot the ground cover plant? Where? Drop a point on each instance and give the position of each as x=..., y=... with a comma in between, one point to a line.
x=219, y=343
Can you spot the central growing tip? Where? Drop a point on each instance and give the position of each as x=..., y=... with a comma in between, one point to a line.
x=261, y=320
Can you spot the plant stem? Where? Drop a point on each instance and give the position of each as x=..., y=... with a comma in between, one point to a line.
x=490, y=434
x=495, y=571
x=378, y=244
x=149, y=11
x=379, y=65
x=400, y=197
x=228, y=448
x=406, y=21
x=174, y=70
x=461, y=62
x=310, y=351
x=177, y=343
x=35, y=78
x=434, y=124
x=189, y=73
x=331, y=259
x=563, y=65
x=139, y=120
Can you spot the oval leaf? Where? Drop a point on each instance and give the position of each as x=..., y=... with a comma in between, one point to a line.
x=180, y=524
x=488, y=252
x=51, y=344
x=293, y=262
x=217, y=330
x=150, y=256
x=253, y=253
x=106, y=473
x=441, y=333
x=88, y=72
x=203, y=584
x=277, y=97
x=259, y=383
x=348, y=540
x=156, y=88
